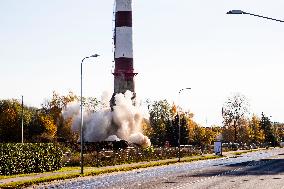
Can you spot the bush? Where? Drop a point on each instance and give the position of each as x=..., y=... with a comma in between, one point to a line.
x=18, y=158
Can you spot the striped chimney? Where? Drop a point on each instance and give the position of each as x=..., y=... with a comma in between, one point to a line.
x=123, y=49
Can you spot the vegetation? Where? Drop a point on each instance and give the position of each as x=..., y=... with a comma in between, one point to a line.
x=164, y=122
x=47, y=124
x=234, y=112
x=18, y=158
x=98, y=171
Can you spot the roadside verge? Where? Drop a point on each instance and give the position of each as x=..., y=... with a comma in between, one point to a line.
x=20, y=181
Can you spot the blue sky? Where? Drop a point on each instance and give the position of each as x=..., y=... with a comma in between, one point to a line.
x=177, y=44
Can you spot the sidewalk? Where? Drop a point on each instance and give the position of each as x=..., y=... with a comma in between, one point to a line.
x=76, y=172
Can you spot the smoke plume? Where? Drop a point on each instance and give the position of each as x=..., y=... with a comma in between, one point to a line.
x=124, y=122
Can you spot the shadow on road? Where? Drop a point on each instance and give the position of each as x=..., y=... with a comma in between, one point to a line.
x=261, y=167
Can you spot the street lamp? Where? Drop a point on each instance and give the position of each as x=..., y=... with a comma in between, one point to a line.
x=260, y=16
x=179, y=124
x=274, y=131
x=81, y=126
x=242, y=12
x=22, y=119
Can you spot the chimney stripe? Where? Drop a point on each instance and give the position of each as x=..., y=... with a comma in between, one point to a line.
x=123, y=42
x=123, y=18
x=123, y=5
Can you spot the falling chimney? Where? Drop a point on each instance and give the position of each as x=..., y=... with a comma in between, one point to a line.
x=123, y=49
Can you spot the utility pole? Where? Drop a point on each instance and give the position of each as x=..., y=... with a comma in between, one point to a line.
x=22, y=119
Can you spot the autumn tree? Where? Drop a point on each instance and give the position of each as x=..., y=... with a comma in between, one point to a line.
x=203, y=136
x=55, y=106
x=199, y=136
x=10, y=120
x=10, y=127
x=192, y=125
x=41, y=128
x=280, y=131
x=257, y=134
x=234, y=111
x=37, y=125
x=228, y=134
x=244, y=132
x=146, y=127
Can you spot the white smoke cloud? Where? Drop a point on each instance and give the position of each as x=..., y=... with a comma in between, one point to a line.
x=124, y=122
x=73, y=111
x=112, y=138
x=139, y=138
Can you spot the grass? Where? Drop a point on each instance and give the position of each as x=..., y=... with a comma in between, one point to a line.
x=244, y=152
x=63, y=169
x=74, y=172
x=92, y=171
x=13, y=176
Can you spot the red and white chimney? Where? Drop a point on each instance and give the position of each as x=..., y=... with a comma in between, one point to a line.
x=123, y=49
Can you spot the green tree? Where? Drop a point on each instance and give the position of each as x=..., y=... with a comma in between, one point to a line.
x=266, y=126
x=184, y=129
x=160, y=118
x=172, y=131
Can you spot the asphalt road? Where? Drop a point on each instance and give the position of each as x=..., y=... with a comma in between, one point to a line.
x=267, y=173
x=263, y=169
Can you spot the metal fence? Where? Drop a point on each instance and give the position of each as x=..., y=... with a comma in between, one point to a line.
x=130, y=154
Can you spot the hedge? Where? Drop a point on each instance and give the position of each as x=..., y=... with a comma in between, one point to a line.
x=19, y=158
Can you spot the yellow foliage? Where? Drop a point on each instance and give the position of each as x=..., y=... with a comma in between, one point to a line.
x=49, y=126
x=174, y=109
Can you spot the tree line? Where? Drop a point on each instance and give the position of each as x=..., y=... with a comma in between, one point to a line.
x=46, y=124
x=239, y=125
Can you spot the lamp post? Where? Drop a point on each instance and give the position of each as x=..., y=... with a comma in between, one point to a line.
x=81, y=126
x=179, y=124
x=260, y=16
x=274, y=131
x=22, y=119
x=243, y=12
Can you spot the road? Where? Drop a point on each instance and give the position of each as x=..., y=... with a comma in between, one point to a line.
x=262, y=169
